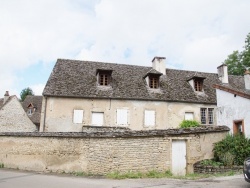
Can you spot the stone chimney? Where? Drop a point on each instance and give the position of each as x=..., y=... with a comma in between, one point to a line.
x=222, y=73
x=6, y=97
x=159, y=64
x=247, y=79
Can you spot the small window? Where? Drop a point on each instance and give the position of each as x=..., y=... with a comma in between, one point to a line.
x=122, y=117
x=149, y=118
x=30, y=111
x=154, y=82
x=97, y=118
x=207, y=116
x=198, y=83
x=104, y=77
x=189, y=116
x=238, y=127
x=78, y=116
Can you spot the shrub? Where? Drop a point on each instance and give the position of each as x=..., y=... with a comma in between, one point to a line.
x=189, y=123
x=232, y=148
x=210, y=162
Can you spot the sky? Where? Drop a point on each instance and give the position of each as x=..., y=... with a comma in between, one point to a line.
x=193, y=35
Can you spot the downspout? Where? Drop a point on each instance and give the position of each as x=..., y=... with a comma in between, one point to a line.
x=44, y=117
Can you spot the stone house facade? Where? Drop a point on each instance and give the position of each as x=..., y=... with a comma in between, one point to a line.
x=233, y=102
x=84, y=93
x=13, y=118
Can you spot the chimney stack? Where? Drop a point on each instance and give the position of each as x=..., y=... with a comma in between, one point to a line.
x=6, y=97
x=159, y=64
x=247, y=79
x=222, y=73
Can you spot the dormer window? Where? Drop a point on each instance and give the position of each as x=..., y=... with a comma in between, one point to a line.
x=31, y=109
x=104, y=77
x=154, y=82
x=153, y=79
x=197, y=83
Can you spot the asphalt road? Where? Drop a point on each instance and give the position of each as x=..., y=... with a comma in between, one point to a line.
x=21, y=179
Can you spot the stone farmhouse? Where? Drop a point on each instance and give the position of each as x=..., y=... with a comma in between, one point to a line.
x=233, y=102
x=84, y=93
x=13, y=118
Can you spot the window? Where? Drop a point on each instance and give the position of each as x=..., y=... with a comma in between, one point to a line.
x=97, y=118
x=198, y=84
x=30, y=111
x=104, y=80
x=122, y=117
x=104, y=77
x=149, y=118
x=207, y=116
x=189, y=116
x=238, y=127
x=153, y=82
x=78, y=116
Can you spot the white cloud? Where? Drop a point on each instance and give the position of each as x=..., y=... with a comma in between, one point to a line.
x=194, y=35
x=37, y=89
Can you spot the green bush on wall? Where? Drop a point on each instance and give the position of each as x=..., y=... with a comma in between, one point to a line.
x=189, y=123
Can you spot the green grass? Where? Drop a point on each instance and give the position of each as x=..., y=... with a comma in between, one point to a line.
x=167, y=174
x=1, y=165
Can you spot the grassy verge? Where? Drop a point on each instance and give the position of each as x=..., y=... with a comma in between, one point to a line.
x=167, y=174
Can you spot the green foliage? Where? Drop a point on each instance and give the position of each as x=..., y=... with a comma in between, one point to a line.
x=1, y=165
x=189, y=123
x=25, y=92
x=238, y=62
x=232, y=148
x=210, y=162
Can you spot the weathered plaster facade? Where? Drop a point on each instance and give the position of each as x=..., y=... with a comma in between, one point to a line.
x=104, y=152
x=59, y=113
x=232, y=107
x=13, y=118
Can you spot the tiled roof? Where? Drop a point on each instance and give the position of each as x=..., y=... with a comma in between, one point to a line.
x=36, y=101
x=236, y=86
x=71, y=78
x=2, y=101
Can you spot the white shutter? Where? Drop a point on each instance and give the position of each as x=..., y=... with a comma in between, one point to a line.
x=97, y=118
x=149, y=118
x=122, y=117
x=189, y=116
x=78, y=116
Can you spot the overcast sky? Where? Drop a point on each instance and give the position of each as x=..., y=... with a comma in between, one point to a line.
x=192, y=34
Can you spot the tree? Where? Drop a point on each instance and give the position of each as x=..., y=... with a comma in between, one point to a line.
x=238, y=62
x=25, y=92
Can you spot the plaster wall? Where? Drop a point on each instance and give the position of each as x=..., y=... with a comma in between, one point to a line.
x=232, y=107
x=14, y=119
x=59, y=113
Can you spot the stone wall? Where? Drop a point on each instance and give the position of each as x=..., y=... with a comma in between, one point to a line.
x=101, y=152
x=200, y=169
x=14, y=119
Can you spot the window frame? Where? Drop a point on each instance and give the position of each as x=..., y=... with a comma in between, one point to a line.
x=154, y=81
x=207, y=116
x=104, y=77
x=198, y=85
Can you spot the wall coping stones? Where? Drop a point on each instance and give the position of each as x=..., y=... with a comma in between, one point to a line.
x=115, y=132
